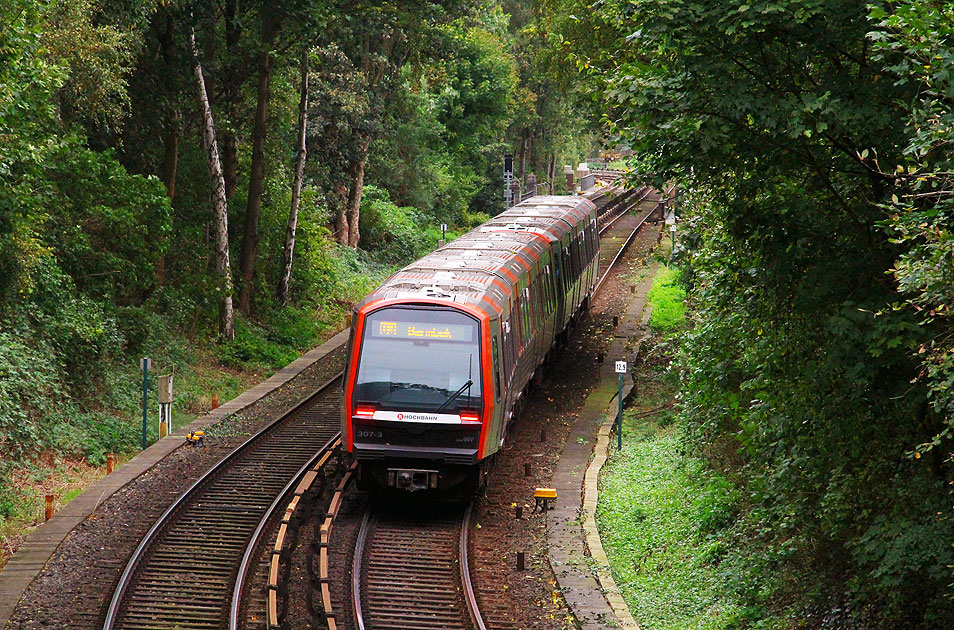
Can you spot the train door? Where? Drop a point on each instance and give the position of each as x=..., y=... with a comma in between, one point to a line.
x=559, y=283
x=508, y=354
x=499, y=418
x=595, y=262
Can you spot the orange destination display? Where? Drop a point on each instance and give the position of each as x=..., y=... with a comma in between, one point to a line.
x=417, y=330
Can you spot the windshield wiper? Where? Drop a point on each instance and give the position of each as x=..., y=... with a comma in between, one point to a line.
x=470, y=381
x=455, y=395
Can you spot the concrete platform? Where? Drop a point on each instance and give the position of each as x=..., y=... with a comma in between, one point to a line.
x=42, y=542
x=585, y=578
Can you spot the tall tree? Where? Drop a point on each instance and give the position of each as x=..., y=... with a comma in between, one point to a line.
x=219, y=203
x=282, y=293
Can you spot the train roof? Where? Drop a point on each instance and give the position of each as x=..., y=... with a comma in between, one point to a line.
x=481, y=267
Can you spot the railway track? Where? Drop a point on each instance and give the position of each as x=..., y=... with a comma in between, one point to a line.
x=410, y=571
x=182, y=574
x=624, y=227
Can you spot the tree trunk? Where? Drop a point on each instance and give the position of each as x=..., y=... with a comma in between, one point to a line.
x=230, y=90
x=219, y=203
x=523, y=153
x=256, y=182
x=339, y=199
x=170, y=168
x=355, y=193
x=170, y=157
x=551, y=171
x=285, y=280
x=229, y=162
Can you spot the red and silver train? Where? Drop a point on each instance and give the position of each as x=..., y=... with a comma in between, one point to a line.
x=441, y=354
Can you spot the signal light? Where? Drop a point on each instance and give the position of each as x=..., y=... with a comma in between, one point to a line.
x=364, y=412
x=470, y=417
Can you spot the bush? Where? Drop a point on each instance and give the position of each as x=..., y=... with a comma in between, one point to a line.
x=667, y=296
x=251, y=347
x=396, y=234
x=97, y=434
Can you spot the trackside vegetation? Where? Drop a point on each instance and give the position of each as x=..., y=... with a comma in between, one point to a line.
x=663, y=517
x=811, y=142
x=667, y=296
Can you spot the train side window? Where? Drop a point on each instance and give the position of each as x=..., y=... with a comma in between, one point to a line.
x=548, y=285
x=510, y=343
x=496, y=361
x=585, y=245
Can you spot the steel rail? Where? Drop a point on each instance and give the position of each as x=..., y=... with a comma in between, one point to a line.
x=469, y=595
x=248, y=557
x=357, y=565
x=629, y=239
x=432, y=599
x=151, y=537
x=622, y=214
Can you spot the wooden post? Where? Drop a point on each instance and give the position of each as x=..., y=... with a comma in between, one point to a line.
x=49, y=506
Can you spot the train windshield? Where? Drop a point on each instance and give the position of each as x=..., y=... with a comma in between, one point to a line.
x=416, y=359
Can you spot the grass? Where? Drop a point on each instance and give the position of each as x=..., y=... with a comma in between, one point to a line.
x=667, y=296
x=660, y=515
x=64, y=478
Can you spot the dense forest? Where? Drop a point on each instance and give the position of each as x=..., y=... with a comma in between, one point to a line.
x=165, y=164
x=168, y=165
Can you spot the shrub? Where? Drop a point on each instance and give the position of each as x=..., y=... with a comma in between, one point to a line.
x=395, y=233
x=667, y=296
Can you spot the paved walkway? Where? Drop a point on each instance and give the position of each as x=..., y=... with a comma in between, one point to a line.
x=40, y=544
x=584, y=578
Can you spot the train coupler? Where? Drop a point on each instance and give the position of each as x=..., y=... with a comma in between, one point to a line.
x=411, y=479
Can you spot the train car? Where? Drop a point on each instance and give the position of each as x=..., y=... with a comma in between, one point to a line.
x=441, y=354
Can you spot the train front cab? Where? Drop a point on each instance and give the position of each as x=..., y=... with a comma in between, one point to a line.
x=421, y=391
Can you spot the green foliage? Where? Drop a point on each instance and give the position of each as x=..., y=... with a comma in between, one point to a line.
x=803, y=373
x=398, y=233
x=251, y=348
x=667, y=296
x=663, y=516
x=913, y=42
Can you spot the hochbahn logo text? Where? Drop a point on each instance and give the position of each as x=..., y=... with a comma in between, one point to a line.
x=416, y=416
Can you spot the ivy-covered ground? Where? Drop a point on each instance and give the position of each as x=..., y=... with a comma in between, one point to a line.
x=664, y=513
x=660, y=514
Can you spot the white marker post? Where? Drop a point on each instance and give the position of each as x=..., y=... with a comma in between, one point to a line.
x=165, y=405
x=620, y=369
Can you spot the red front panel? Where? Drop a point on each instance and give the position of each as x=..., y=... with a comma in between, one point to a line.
x=486, y=364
